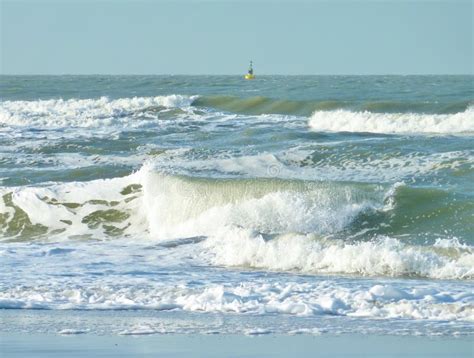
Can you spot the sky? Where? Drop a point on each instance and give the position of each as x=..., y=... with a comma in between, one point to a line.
x=220, y=37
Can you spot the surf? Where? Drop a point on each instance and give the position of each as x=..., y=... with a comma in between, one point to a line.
x=326, y=115
x=263, y=223
x=88, y=113
x=347, y=121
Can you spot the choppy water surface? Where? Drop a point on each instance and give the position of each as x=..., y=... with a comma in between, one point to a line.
x=302, y=197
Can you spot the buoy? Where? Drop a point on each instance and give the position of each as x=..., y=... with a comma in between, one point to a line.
x=250, y=75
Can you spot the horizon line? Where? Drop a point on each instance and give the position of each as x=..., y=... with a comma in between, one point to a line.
x=233, y=75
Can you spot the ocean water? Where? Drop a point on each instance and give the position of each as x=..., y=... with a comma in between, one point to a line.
x=312, y=204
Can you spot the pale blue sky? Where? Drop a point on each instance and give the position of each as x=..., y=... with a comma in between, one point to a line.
x=219, y=37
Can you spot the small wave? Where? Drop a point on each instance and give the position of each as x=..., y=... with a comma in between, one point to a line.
x=326, y=162
x=382, y=256
x=265, y=105
x=85, y=112
x=325, y=115
x=347, y=121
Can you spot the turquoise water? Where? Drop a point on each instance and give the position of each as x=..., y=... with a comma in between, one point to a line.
x=304, y=196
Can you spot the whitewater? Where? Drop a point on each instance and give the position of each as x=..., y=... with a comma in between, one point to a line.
x=312, y=204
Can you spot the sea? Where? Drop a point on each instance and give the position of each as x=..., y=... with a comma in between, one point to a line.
x=216, y=205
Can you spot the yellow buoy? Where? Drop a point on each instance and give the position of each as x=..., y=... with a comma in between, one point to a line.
x=250, y=75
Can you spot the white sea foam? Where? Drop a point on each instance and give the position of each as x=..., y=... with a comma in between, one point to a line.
x=63, y=208
x=314, y=298
x=310, y=254
x=347, y=121
x=84, y=112
x=278, y=225
x=298, y=163
x=71, y=331
x=184, y=207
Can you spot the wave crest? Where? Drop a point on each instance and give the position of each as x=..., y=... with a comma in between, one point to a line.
x=276, y=224
x=382, y=256
x=84, y=112
x=179, y=206
x=346, y=121
x=257, y=105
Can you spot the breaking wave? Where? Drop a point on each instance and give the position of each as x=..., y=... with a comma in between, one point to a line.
x=85, y=112
x=323, y=115
x=346, y=121
x=381, y=256
x=276, y=224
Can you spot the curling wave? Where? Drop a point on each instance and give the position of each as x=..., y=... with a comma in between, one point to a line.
x=276, y=224
x=180, y=206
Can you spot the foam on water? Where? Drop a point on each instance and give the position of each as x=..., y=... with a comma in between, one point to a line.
x=298, y=163
x=57, y=113
x=153, y=282
x=273, y=224
x=229, y=202
x=69, y=209
x=99, y=112
x=177, y=206
x=347, y=121
x=311, y=254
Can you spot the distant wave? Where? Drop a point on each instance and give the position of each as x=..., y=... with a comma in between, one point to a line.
x=129, y=111
x=265, y=105
x=347, y=121
x=86, y=112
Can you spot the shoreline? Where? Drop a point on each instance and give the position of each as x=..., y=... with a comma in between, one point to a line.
x=129, y=322
x=148, y=333
x=201, y=345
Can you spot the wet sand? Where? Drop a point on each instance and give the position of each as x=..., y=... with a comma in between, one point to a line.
x=181, y=345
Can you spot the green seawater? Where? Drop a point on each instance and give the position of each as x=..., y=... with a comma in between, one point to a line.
x=213, y=205
x=404, y=144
